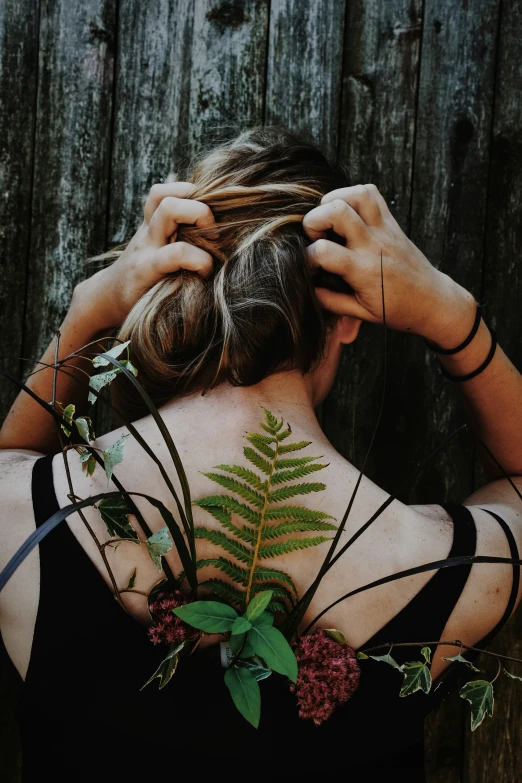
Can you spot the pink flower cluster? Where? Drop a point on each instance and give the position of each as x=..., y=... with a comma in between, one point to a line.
x=168, y=627
x=328, y=675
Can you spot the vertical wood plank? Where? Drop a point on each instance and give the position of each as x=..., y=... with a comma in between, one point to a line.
x=18, y=83
x=502, y=294
x=71, y=157
x=304, y=68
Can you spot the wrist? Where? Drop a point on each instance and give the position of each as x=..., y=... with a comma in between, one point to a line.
x=90, y=303
x=451, y=316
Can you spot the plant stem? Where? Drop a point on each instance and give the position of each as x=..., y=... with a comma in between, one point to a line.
x=447, y=643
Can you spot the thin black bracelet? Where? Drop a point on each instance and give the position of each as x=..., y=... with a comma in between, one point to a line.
x=469, y=338
x=487, y=360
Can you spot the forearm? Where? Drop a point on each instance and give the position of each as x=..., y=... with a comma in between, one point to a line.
x=493, y=399
x=28, y=425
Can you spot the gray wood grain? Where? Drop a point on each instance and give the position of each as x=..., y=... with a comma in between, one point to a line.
x=304, y=68
x=18, y=80
x=502, y=296
x=71, y=157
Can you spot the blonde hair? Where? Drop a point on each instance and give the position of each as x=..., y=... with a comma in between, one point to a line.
x=257, y=313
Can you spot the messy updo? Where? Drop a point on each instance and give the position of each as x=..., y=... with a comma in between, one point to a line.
x=257, y=313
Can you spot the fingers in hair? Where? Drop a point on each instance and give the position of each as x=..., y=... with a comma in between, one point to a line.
x=364, y=199
x=161, y=190
x=338, y=216
x=182, y=255
x=172, y=211
x=333, y=258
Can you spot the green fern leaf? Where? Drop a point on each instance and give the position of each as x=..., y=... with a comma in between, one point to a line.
x=268, y=429
x=276, y=606
x=220, y=539
x=282, y=476
x=293, y=462
x=302, y=444
x=292, y=490
x=271, y=419
x=258, y=461
x=244, y=533
x=238, y=487
x=277, y=591
x=235, y=572
x=284, y=434
x=248, y=475
x=260, y=442
x=302, y=526
x=230, y=504
x=293, y=544
x=222, y=589
x=295, y=512
x=264, y=574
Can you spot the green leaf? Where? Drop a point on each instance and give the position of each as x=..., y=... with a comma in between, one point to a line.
x=84, y=427
x=294, y=446
x=417, y=677
x=230, y=504
x=460, y=659
x=271, y=420
x=88, y=462
x=245, y=693
x=362, y=656
x=132, y=580
x=225, y=518
x=257, y=460
x=68, y=414
x=337, y=636
x=244, y=473
x=264, y=574
x=293, y=544
x=513, y=676
x=220, y=539
x=282, y=476
x=386, y=659
x=426, y=654
x=238, y=487
x=257, y=605
x=293, y=462
x=208, y=616
x=278, y=591
x=260, y=442
x=115, y=351
x=295, y=512
x=292, y=490
x=479, y=693
x=129, y=366
x=264, y=619
x=114, y=512
x=241, y=625
x=300, y=526
x=167, y=667
x=277, y=606
x=255, y=666
x=158, y=544
x=272, y=647
x=235, y=572
x=113, y=455
x=97, y=382
x=238, y=643
x=284, y=434
x=225, y=591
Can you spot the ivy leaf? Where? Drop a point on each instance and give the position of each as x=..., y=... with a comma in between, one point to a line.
x=460, y=659
x=208, y=616
x=426, y=654
x=113, y=456
x=88, y=462
x=241, y=625
x=257, y=605
x=114, y=513
x=167, y=667
x=513, y=676
x=245, y=693
x=386, y=659
x=129, y=366
x=272, y=647
x=68, y=414
x=132, y=580
x=337, y=636
x=479, y=693
x=417, y=677
x=158, y=544
x=84, y=427
x=115, y=351
x=97, y=382
x=362, y=656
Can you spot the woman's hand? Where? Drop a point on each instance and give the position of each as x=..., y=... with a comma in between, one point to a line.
x=108, y=296
x=418, y=297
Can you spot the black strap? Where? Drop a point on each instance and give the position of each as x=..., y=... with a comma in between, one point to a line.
x=45, y=503
x=450, y=351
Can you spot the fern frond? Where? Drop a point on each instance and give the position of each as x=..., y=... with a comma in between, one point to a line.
x=295, y=512
x=293, y=462
x=282, y=476
x=285, y=434
x=292, y=490
x=301, y=444
x=260, y=442
x=302, y=526
x=277, y=591
x=220, y=539
x=272, y=420
x=226, y=591
x=292, y=545
x=244, y=473
x=230, y=504
x=276, y=606
x=224, y=517
x=256, y=460
x=235, y=572
x=264, y=574
x=238, y=487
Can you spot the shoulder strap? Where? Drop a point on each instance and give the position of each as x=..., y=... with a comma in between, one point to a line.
x=516, y=578
x=45, y=503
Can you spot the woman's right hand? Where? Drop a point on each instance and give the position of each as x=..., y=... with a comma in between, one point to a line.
x=418, y=297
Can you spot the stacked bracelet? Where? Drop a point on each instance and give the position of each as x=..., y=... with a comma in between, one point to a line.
x=469, y=338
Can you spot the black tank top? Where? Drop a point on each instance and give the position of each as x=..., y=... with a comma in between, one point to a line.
x=82, y=715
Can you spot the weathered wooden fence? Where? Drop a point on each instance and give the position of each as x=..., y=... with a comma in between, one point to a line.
x=101, y=98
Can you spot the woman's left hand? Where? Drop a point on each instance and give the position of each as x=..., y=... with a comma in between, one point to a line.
x=108, y=296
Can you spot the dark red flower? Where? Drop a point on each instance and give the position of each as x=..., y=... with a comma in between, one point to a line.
x=168, y=627
x=328, y=675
